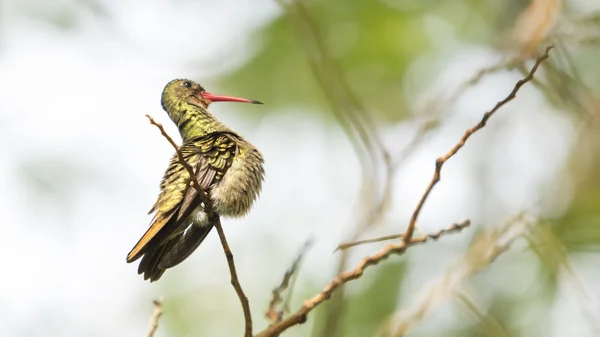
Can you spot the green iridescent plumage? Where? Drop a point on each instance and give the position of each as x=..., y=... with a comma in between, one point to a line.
x=226, y=166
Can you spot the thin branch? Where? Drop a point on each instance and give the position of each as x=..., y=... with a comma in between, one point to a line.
x=214, y=218
x=181, y=159
x=346, y=245
x=158, y=311
x=436, y=104
x=442, y=160
x=235, y=282
x=272, y=313
x=398, y=248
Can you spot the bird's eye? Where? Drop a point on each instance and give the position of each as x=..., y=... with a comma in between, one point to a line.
x=187, y=84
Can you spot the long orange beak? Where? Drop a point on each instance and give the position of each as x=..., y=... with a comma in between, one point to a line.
x=221, y=98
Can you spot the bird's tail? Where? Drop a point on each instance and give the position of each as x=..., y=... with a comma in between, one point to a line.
x=184, y=246
x=150, y=260
x=171, y=253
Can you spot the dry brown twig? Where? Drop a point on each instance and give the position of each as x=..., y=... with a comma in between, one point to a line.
x=398, y=248
x=235, y=282
x=180, y=158
x=273, y=314
x=155, y=316
x=435, y=236
x=439, y=163
x=433, y=107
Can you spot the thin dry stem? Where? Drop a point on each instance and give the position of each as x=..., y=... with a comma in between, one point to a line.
x=273, y=314
x=347, y=245
x=158, y=311
x=235, y=282
x=217, y=223
x=439, y=163
x=398, y=248
x=434, y=107
x=182, y=161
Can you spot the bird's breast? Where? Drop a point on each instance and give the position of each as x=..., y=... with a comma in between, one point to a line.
x=240, y=186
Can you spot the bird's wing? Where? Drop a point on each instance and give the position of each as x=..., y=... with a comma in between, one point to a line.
x=216, y=159
x=184, y=246
x=210, y=156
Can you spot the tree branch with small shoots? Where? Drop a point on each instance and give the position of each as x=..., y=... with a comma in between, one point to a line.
x=388, y=250
x=439, y=163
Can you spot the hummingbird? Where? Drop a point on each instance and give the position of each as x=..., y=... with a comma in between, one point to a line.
x=228, y=168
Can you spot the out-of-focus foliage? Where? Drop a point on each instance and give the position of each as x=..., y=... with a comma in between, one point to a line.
x=579, y=227
x=371, y=42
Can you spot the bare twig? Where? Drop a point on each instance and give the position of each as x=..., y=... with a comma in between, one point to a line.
x=435, y=236
x=214, y=217
x=155, y=316
x=181, y=159
x=398, y=248
x=440, y=161
x=484, y=250
x=272, y=313
x=433, y=108
x=235, y=282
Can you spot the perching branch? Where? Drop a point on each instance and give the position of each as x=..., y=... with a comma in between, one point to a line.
x=155, y=316
x=181, y=161
x=235, y=282
x=398, y=248
x=439, y=163
x=214, y=217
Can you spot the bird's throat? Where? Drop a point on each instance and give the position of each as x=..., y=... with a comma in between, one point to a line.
x=196, y=122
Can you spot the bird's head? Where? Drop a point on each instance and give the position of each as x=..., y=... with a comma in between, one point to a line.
x=182, y=90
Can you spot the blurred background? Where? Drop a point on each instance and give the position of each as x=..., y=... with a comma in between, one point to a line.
x=360, y=98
